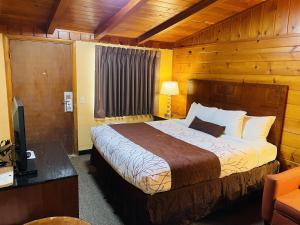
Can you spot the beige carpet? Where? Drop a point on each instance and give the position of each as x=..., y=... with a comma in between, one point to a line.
x=95, y=209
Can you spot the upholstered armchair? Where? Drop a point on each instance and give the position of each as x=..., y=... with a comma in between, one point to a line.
x=281, y=198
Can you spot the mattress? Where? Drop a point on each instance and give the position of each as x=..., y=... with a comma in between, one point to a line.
x=152, y=174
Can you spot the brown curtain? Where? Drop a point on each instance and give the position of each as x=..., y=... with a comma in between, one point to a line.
x=125, y=81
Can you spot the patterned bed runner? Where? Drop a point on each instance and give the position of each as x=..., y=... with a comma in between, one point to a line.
x=189, y=164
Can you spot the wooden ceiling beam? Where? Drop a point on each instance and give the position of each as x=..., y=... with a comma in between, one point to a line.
x=57, y=12
x=105, y=27
x=175, y=19
x=132, y=42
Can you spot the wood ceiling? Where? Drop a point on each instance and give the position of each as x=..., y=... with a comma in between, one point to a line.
x=140, y=20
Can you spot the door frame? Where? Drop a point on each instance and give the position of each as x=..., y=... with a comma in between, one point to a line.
x=6, y=39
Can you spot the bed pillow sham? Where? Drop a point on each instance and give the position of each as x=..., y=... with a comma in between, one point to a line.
x=202, y=112
x=232, y=120
x=191, y=114
x=205, y=113
x=207, y=127
x=257, y=127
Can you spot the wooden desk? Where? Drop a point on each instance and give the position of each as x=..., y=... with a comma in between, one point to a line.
x=53, y=192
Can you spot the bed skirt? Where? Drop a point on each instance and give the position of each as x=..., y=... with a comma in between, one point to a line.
x=178, y=206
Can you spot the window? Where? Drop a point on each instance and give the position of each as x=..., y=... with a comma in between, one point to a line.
x=125, y=81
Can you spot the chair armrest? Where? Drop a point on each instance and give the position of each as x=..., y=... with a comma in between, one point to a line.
x=277, y=185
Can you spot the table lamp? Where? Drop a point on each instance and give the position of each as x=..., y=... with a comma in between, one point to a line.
x=169, y=88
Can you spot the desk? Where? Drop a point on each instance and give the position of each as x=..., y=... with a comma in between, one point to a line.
x=53, y=192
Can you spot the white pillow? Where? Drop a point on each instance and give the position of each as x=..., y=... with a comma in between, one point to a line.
x=232, y=120
x=202, y=112
x=257, y=128
x=205, y=113
x=191, y=114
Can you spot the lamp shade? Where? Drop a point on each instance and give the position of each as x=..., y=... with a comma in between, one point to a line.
x=169, y=88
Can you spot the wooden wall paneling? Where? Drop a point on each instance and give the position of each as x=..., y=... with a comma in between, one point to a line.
x=247, y=68
x=244, y=56
x=268, y=51
x=262, y=45
x=292, y=125
x=235, y=28
x=268, y=22
x=209, y=35
x=256, y=22
x=289, y=156
x=245, y=24
x=293, y=112
x=217, y=31
x=224, y=31
x=294, y=97
x=282, y=17
x=294, y=17
x=291, y=139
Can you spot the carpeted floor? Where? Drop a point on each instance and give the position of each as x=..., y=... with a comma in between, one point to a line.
x=95, y=209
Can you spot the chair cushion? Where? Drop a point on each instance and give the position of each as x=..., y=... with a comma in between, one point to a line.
x=289, y=205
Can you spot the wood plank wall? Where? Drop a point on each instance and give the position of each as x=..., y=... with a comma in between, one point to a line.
x=261, y=45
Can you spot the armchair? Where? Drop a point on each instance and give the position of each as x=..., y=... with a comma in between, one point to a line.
x=281, y=198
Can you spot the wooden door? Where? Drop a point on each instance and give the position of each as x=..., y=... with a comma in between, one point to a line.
x=41, y=73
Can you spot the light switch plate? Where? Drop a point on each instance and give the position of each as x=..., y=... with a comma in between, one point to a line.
x=81, y=99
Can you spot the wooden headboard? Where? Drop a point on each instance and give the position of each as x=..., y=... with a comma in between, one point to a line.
x=255, y=99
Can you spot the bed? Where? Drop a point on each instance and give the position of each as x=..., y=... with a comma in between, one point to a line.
x=139, y=164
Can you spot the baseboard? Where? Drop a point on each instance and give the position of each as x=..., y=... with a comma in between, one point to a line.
x=84, y=152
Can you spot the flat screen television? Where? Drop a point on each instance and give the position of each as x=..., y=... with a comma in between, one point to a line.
x=19, y=134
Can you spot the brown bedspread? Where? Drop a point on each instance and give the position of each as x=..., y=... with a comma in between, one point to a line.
x=188, y=163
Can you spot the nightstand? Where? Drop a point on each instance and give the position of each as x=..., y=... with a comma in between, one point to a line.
x=163, y=117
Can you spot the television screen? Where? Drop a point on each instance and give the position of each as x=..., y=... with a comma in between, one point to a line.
x=19, y=134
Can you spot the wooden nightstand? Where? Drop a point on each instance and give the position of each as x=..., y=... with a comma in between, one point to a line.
x=163, y=117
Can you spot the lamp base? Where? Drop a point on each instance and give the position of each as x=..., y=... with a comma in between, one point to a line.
x=168, y=113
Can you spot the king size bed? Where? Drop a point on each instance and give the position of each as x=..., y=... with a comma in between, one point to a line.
x=165, y=172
